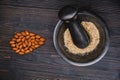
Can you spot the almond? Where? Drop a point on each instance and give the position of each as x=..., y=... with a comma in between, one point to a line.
x=23, y=39
x=37, y=36
x=42, y=39
x=27, y=37
x=18, y=34
x=15, y=36
x=41, y=43
x=12, y=42
x=18, y=40
x=23, y=33
x=36, y=46
x=17, y=51
x=14, y=49
x=21, y=53
x=13, y=45
x=32, y=34
x=26, y=32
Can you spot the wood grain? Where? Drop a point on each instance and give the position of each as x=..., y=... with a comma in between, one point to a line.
x=40, y=17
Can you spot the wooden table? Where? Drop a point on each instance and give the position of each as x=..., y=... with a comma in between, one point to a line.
x=44, y=63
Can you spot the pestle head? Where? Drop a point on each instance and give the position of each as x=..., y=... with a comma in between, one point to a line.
x=67, y=13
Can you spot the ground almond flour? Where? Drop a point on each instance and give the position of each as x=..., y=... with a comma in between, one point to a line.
x=94, y=39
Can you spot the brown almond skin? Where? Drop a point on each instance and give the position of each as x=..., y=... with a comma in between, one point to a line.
x=33, y=44
x=37, y=36
x=12, y=42
x=13, y=45
x=31, y=49
x=24, y=45
x=32, y=34
x=23, y=39
x=26, y=42
x=21, y=36
x=14, y=49
x=42, y=39
x=15, y=36
x=18, y=40
x=41, y=43
x=23, y=33
x=36, y=42
x=26, y=48
x=27, y=32
x=29, y=40
x=27, y=51
x=17, y=51
x=27, y=37
x=20, y=43
x=37, y=39
x=33, y=41
x=17, y=46
x=29, y=44
x=20, y=46
x=32, y=37
x=22, y=50
x=13, y=39
x=18, y=34
x=21, y=53
x=36, y=46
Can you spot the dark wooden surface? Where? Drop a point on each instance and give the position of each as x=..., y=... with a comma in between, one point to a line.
x=40, y=16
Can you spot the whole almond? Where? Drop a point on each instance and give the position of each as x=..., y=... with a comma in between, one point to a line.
x=21, y=53
x=26, y=42
x=20, y=46
x=37, y=39
x=14, y=49
x=42, y=39
x=12, y=42
x=33, y=44
x=27, y=37
x=20, y=43
x=17, y=51
x=26, y=48
x=13, y=39
x=15, y=36
x=33, y=41
x=18, y=40
x=23, y=33
x=13, y=45
x=41, y=43
x=22, y=50
x=23, y=39
x=37, y=36
x=26, y=32
x=32, y=37
x=29, y=44
x=36, y=46
x=17, y=46
x=32, y=34
x=24, y=45
x=36, y=42
x=30, y=49
x=21, y=36
x=27, y=51
x=18, y=34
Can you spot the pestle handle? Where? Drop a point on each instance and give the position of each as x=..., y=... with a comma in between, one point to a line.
x=78, y=33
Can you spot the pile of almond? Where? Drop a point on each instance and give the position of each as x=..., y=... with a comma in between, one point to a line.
x=25, y=42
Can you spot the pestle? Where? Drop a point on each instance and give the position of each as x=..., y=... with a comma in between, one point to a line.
x=68, y=15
